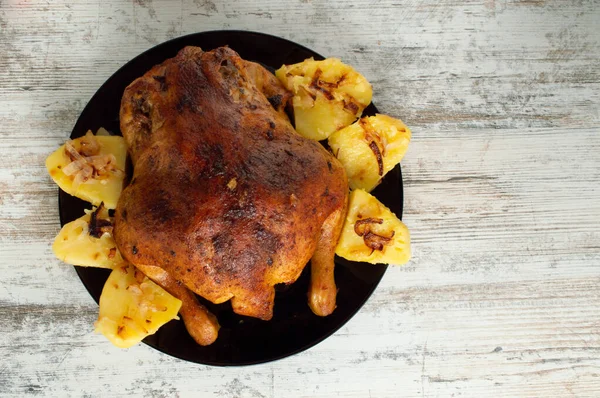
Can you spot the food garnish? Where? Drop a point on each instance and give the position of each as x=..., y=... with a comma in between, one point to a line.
x=370, y=148
x=372, y=233
x=91, y=168
x=328, y=95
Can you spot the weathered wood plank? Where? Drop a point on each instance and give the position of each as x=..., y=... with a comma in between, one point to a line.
x=502, y=339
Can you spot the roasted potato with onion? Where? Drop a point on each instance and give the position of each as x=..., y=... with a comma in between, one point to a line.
x=328, y=95
x=91, y=168
x=133, y=307
x=372, y=233
x=88, y=241
x=369, y=148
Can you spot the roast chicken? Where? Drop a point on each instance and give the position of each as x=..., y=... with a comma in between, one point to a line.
x=226, y=199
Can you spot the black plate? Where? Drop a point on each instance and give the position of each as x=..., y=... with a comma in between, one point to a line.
x=242, y=340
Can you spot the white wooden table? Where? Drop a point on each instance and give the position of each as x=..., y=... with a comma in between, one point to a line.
x=502, y=183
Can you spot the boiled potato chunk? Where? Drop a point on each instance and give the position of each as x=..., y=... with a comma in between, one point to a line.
x=74, y=245
x=133, y=307
x=90, y=168
x=328, y=95
x=372, y=233
x=369, y=148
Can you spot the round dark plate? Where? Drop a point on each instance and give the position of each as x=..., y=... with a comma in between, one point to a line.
x=242, y=340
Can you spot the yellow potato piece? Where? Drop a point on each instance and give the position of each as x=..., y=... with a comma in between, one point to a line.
x=133, y=307
x=369, y=148
x=328, y=95
x=95, y=191
x=372, y=233
x=74, y=245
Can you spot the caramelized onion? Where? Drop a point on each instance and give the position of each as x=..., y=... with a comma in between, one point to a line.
x=377, y=242
x=351, y=107
x=86, y=163
x=99, y=226
x=317, y=84
x=308, y=99
x=82, y=176
x=74, y=167
x=371, y=239
x=71, y=152
x=375, y=143
x=377, y=153
x=89, y=145
x=361, y=227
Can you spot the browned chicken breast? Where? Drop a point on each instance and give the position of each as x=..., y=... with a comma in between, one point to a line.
x=226, y=198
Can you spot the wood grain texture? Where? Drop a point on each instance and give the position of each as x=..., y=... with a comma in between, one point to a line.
x=502, y=199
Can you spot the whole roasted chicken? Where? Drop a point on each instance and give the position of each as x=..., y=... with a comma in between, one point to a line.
x=226, y=199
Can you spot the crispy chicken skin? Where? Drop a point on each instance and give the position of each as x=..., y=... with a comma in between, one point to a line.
x=226, y=197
